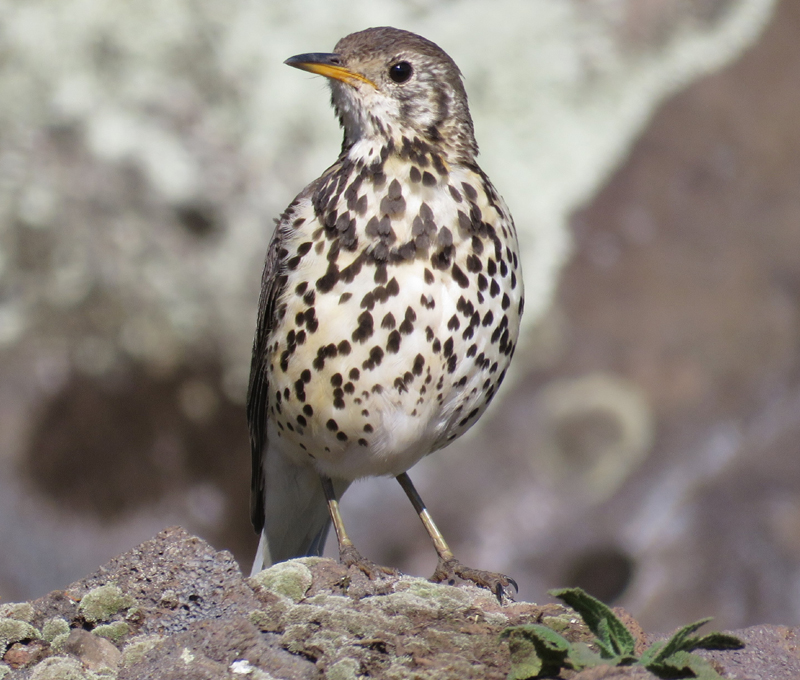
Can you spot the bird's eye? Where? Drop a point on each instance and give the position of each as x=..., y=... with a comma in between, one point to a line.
x=400, y=72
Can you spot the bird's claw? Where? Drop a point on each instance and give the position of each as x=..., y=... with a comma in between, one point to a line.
x=499, y=584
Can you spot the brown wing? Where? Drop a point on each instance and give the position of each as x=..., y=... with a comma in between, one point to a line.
x=258, y=389
x=273, y=282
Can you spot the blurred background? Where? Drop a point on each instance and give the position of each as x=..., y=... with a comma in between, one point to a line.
x=647, y=447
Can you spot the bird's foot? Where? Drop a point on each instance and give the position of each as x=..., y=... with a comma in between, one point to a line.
x=350, y=557
x=499, y=584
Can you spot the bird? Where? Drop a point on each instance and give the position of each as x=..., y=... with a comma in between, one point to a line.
x=390, y=302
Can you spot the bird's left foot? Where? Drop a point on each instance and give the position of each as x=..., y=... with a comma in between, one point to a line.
x=350, y=557
x=499, y=584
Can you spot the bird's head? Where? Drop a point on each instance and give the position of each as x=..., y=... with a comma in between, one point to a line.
x=388, y=84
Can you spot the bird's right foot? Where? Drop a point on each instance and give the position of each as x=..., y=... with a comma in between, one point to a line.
x=350, y=557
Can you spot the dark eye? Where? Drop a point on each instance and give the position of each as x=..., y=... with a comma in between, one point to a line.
x=400, y=72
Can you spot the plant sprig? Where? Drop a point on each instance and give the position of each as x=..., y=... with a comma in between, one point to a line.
x=539, y=652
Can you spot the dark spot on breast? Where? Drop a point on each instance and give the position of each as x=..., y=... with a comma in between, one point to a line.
x=405, y=252
x=441, y=259
x=414, y=174
x=365, y=328
x=455, y=193
x=371, y=228
x=448, y=347
x=375, y=358
x=393, y=343
x=474, y=264
x=301, y=287
x=332, y=425
x=460, y=277
x=388, y=321
x=368, y=301
x=428, y=179
x=325, y=283
x=311, y=320
x=343, y=348
x=464, y=222
x=494, y=289
x=380, y=294
x=393, y=204
x=454, y=324
x=452, y=362
x=393, y=288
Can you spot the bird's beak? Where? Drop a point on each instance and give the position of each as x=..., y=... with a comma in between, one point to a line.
x=328, y=65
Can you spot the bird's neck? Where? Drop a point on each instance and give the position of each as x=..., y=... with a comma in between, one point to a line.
x=402, y=145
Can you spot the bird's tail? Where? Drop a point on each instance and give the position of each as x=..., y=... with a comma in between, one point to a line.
x=296, y=519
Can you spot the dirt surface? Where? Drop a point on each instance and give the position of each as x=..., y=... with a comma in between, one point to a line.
x=174, y=608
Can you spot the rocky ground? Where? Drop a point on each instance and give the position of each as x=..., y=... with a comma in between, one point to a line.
x=174, y=608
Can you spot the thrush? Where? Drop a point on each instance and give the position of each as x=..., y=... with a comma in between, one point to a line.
x=390, y=301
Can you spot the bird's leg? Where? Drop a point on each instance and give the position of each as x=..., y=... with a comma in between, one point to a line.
x=449, y=567
x=348, y=555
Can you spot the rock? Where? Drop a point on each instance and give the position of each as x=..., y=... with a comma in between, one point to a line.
x=96, y=653
x=178, y=609
x=20, y=655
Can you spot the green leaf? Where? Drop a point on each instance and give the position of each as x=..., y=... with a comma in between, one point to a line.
x=684, y=665
x=615, y=637
x=536, y=651
x=582, y=656
x=681, y=640
x=717, y=641
x=649, y=655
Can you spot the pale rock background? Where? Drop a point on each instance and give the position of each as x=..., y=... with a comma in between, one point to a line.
x=144, y=150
